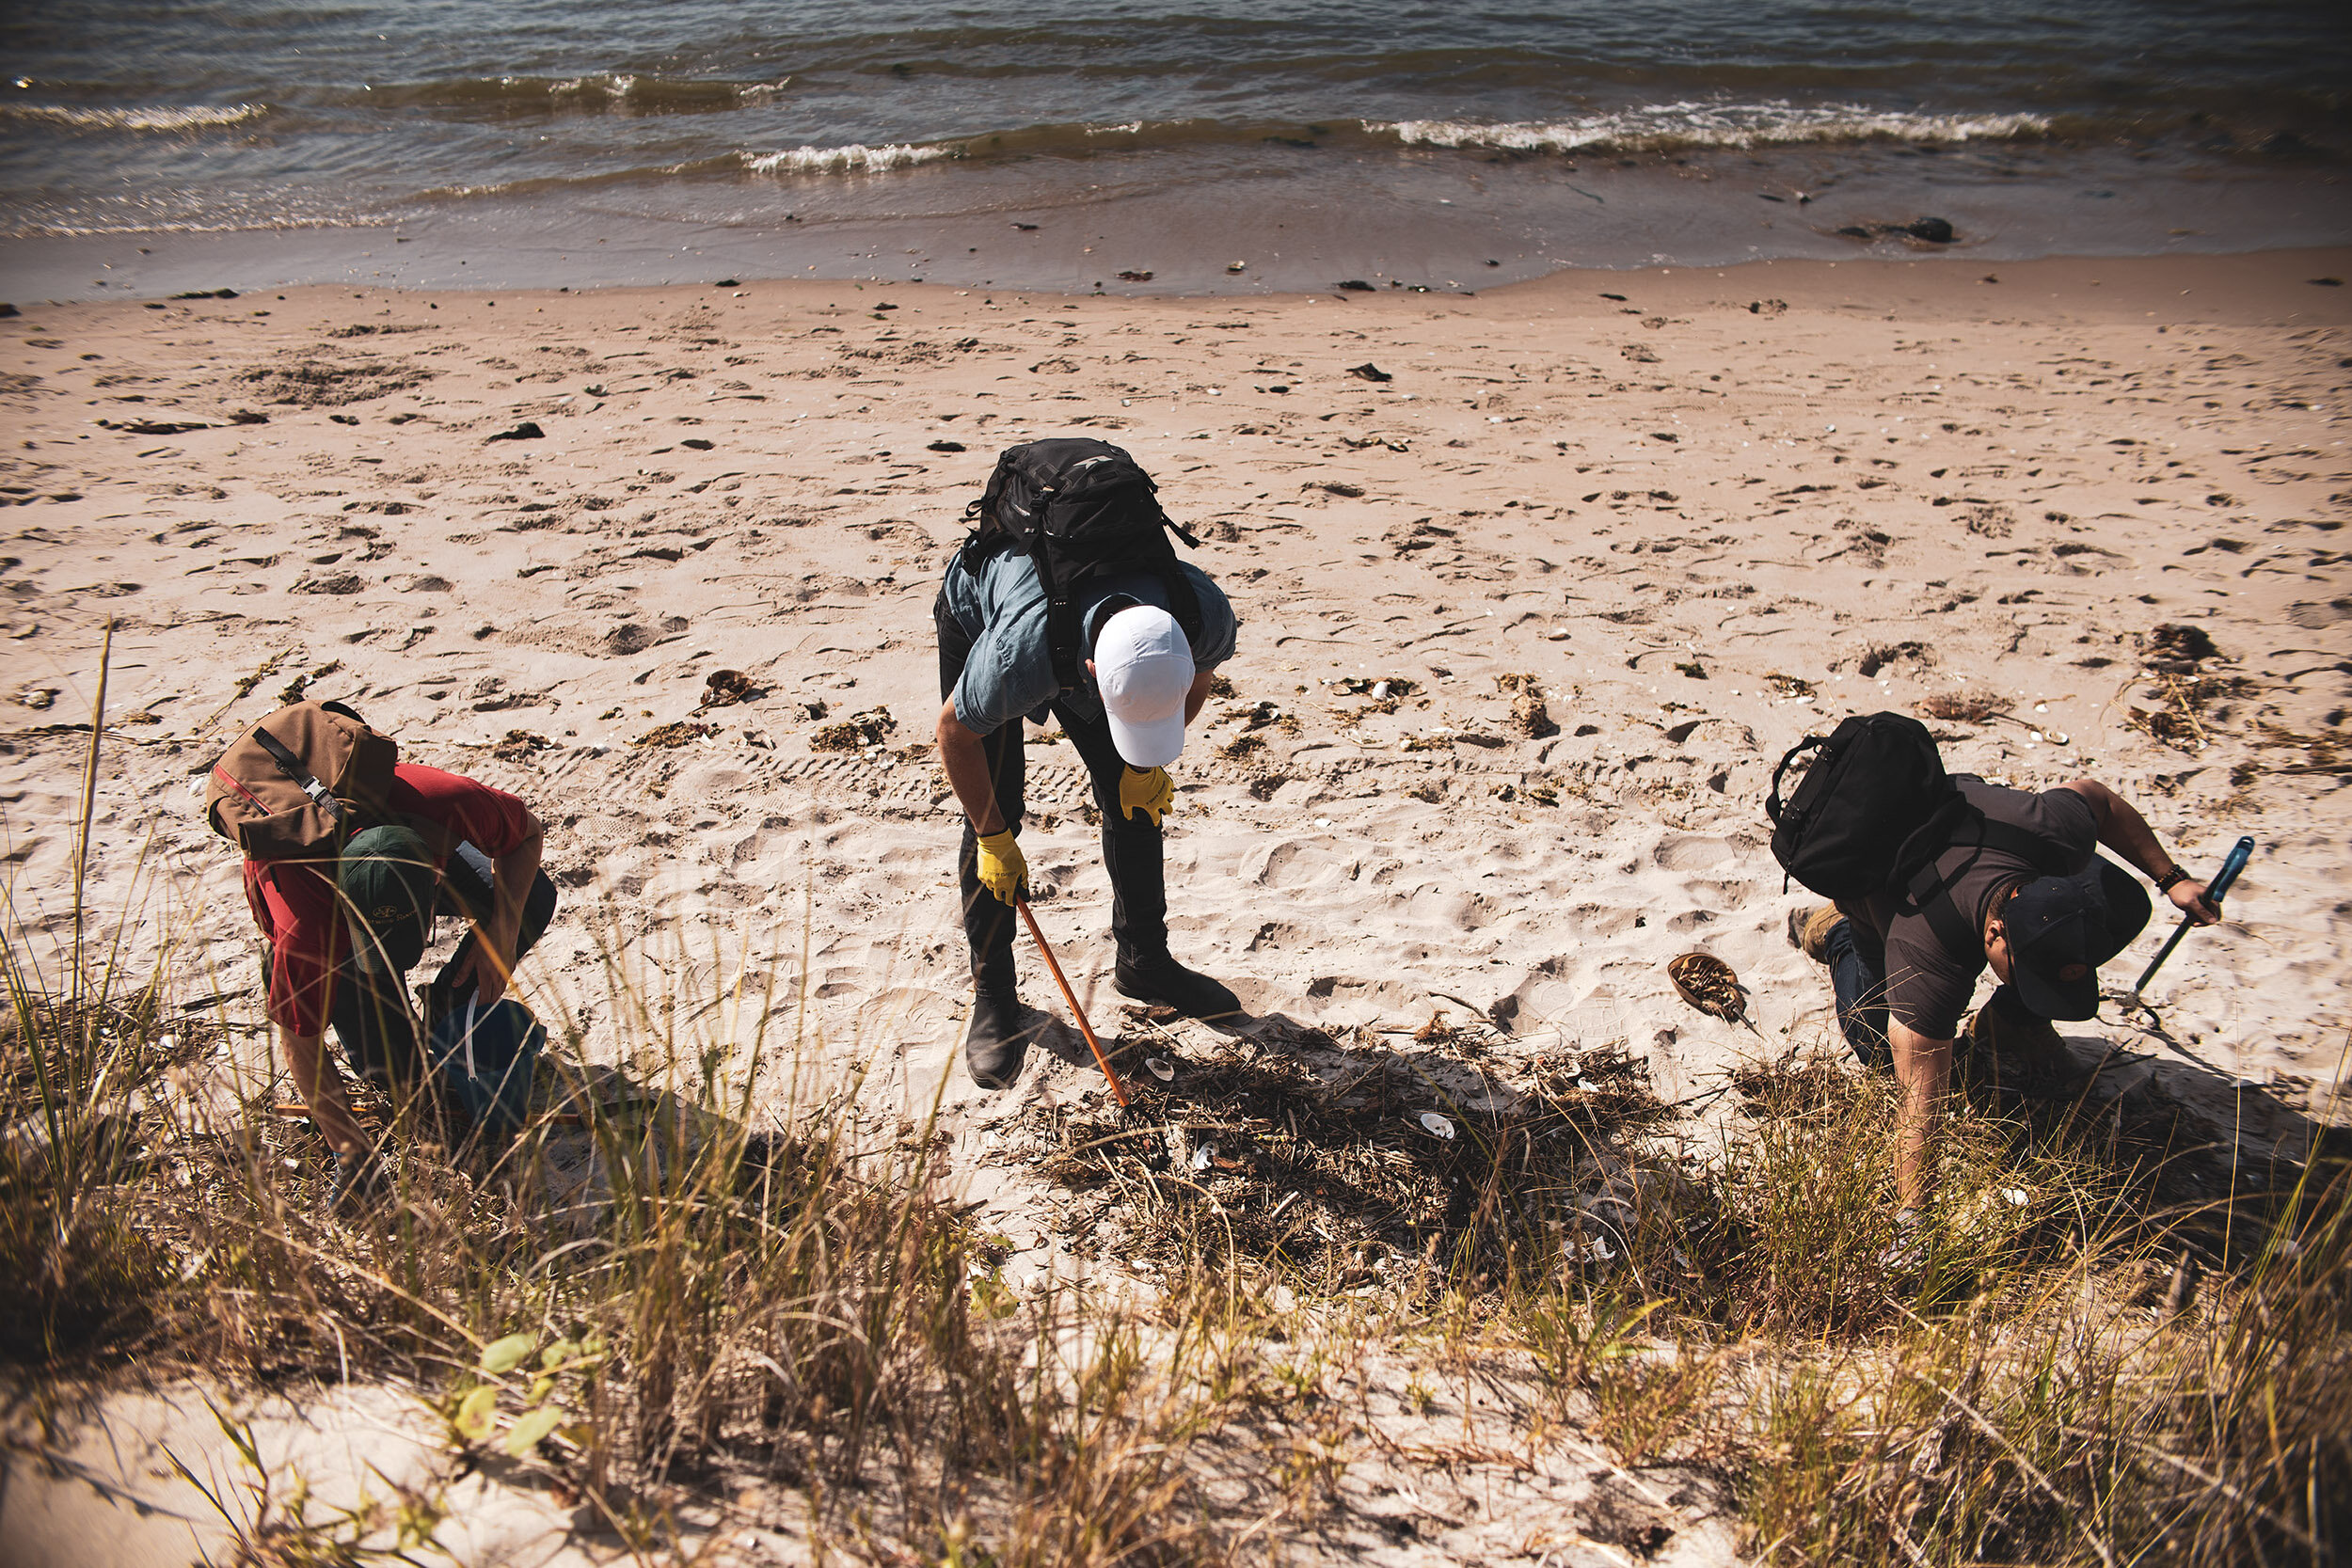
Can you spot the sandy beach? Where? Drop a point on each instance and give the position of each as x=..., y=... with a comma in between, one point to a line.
x=1760, y=474
x=1535, y=585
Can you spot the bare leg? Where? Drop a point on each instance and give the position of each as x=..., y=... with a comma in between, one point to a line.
x=322, y=1090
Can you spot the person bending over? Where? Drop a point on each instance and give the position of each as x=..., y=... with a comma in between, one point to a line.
x=1902, y=984
x=342, y=934
x=1145, y=681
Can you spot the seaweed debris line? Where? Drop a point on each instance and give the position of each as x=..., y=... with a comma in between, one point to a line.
x=1345, y=1164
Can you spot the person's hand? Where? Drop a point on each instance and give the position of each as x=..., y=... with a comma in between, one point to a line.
x=2190, y=899
x=488, y=970
x=1147, y=790
x=1003, y=871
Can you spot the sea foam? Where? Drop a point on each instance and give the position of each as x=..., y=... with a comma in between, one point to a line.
x=159, y=117
x=857, y=158
x=1658, y=127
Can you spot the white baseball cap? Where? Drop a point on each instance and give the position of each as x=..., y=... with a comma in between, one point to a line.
x=1143, y=668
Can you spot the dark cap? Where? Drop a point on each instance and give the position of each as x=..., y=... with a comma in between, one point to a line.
x=388, y=881
x=2062, y=928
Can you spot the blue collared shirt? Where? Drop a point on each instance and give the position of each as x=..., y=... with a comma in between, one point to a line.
x=1000, y=604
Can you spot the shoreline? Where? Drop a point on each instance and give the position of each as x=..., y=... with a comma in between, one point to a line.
x=1444, y=224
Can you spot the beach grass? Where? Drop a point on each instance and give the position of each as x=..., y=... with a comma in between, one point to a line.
x=731, y=1277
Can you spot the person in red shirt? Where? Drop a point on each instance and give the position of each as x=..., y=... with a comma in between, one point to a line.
x=339, y=945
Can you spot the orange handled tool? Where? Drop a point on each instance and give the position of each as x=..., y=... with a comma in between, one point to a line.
x=1119, y=1091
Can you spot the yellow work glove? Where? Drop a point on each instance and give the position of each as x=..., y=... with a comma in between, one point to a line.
x=1147, y=790
x=1003, y=872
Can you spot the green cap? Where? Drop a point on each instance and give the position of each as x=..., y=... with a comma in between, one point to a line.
x=388, y=881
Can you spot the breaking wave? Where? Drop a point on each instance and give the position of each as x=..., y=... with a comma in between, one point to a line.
x=856, y=158
x=160, y=118
x=1664, y=127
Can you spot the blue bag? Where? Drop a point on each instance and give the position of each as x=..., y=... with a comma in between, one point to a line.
x=483, y=1058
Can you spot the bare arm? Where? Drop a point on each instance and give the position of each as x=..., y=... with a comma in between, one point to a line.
x=1923, y=1070
x=1197, y=695
x=966, y=765
x=511, y=876
x=2123, y=830
x=322, y=1090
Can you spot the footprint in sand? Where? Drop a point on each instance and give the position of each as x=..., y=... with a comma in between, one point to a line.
x=1690, y=852
x=1293, y=863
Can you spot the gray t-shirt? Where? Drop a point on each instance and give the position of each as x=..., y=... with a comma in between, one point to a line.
x=1927, y=987
x=1000, y=604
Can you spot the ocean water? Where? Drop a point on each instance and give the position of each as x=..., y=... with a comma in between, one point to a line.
x=543, y=140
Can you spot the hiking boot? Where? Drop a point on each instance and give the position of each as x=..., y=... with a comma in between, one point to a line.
x=1165, y=981
x=2003, y=1049
x=359, y=1185
x=1809, y=929
x=994, y=1041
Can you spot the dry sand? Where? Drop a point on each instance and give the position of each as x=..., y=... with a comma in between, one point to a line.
x=1668, y=498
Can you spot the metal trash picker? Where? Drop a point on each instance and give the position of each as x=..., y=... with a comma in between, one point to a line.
x=2214, y=890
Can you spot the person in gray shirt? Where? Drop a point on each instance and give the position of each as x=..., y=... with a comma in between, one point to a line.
x=1144, y=682
x=1902, y=986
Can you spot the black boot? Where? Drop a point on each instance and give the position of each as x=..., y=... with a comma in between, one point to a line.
x=996, y=1040
x=1165, y=981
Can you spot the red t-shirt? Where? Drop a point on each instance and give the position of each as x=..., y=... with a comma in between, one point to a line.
x=293, y=902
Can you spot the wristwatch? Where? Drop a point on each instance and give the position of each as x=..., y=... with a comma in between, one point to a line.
x=2171, y=880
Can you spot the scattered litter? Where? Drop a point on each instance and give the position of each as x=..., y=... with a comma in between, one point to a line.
x=1162, y=1069
x=1202, y=1156
x=526, y=431
x=1436, y=1125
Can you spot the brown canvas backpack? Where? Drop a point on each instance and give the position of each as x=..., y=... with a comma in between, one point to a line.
x=301, y=781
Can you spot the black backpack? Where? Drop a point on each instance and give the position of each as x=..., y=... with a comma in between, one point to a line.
x=1874, y=811
x=1083, y=508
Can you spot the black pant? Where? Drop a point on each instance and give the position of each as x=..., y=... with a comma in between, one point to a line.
x=1131, y=845
x=378, y=1030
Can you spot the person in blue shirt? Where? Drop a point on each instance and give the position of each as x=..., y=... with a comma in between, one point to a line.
x=1145, y=680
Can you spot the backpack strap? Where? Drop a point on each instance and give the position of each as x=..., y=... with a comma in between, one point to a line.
x=1931, y=895
x=292, y=767
x=1772, y=804
x=1061, y=622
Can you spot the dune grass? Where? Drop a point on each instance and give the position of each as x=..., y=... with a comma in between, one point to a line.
x=730, y=1274
x=2051, y=1386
